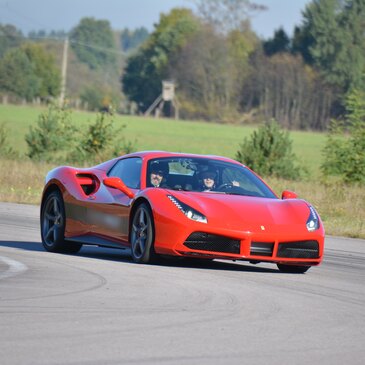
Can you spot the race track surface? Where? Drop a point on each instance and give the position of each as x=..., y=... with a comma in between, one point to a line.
x=98, y=307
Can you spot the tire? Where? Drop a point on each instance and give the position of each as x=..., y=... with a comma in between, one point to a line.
x=292, y=269
x=143, y=235
x=53, y=220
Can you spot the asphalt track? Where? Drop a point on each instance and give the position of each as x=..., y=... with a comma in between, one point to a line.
x=98, y=307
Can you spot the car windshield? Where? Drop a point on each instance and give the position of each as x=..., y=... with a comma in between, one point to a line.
x=205, y=175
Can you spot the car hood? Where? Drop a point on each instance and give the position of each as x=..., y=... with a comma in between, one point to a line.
x=247, y=213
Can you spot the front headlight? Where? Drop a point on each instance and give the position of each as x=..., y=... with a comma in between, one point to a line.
x=313, y=219
x=189, y=212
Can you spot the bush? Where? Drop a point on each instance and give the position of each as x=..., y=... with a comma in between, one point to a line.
x=5, y=149
x=101, y=141
x=56, y=139
x=344, y=152
x=53, y=136
x=269, y=152
x=344, y=156
x=99, y=134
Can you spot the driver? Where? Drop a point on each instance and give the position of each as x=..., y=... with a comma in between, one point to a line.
x=158, y=175
x=208, y=180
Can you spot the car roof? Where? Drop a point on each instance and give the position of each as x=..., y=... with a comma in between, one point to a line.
x=148, y=155
x=165, y=154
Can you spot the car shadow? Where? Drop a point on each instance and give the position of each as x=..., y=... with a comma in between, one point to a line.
x=123, y=255
x=221, y=265
x=23, y=245
x=102, y=253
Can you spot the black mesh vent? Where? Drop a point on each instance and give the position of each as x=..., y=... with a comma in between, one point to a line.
x=299, y=250
x=211, y=242
x=262, y=248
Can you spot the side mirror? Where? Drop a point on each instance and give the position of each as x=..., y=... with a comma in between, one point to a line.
x=117, y=183
x=288, y=195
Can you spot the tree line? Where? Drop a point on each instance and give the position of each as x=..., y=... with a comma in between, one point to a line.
x=223, y=71
x=30, y=66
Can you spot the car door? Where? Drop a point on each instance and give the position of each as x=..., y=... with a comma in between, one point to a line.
x=111, y=208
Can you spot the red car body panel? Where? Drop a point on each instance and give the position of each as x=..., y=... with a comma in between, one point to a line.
x=94, y=210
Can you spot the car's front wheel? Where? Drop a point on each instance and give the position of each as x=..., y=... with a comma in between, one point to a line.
x=142, y=235
x=53, y=221
x=293, y=269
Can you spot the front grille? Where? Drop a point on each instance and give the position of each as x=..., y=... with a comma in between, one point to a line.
x=299, y=250
x=262, y=248
x=211, y=242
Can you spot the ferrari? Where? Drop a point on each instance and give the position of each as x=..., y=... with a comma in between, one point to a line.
x=174, y=204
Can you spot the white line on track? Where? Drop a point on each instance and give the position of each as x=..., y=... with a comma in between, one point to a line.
x=15, y=267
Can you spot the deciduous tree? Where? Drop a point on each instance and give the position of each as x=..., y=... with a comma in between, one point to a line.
x=149, y=66
x=227, y=15
x=93, y=42
x=29, y=72
x=284, y=88
x=131, y=39
x=17, y=75
x=10, y=37
x=210, y=72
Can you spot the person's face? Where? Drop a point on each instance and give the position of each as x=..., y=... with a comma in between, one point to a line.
x=156, y=178
x=208, y=182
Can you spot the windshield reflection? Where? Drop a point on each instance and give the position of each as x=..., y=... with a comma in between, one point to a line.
x=205, y=175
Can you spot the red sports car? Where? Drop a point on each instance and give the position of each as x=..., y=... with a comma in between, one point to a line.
x=161, y=203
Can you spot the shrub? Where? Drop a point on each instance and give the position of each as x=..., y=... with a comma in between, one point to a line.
x=5, y=149
x=53, y=136
x=344, y=152
x=101, y=141
x=56, y=139
x=99, y=134
x=269, y=152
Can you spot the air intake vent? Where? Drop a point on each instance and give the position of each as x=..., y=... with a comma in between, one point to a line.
x=299, y=250
x=88, y=182
x=262, y=248
x=211, y=242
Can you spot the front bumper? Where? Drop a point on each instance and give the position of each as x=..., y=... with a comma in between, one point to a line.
x=297, y=251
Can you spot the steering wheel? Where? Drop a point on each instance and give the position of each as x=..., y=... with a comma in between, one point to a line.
x=225, y=185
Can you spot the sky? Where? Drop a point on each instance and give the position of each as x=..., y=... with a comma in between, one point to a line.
x=29, y=15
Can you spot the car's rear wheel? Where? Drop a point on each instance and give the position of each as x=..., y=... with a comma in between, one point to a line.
x=293, y=269
x=142, y=235
x=53, y=221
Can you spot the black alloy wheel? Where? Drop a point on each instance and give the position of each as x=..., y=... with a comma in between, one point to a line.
x=142, y=235
x=53, y=220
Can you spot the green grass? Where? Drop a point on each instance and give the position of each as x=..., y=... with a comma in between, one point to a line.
x=169, y=135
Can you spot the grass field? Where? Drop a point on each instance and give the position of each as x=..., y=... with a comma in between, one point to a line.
x=170, y=135
x=341, y=207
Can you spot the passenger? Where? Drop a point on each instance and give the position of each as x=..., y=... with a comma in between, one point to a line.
x=209, y=179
